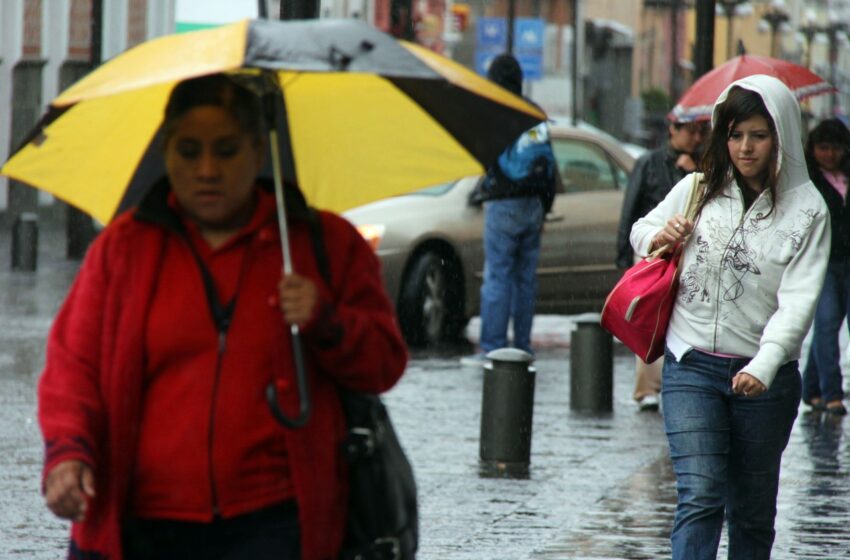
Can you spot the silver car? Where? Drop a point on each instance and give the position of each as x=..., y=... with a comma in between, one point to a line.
x=431, y=247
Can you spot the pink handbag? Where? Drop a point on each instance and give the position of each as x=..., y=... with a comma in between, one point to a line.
x=639, y=306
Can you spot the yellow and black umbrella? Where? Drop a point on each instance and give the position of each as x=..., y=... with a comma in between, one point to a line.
x=361, y=117
x=366, y=116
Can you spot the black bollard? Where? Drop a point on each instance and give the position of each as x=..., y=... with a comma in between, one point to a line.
x=25, y=242
x=591, y=368
x=507, y=407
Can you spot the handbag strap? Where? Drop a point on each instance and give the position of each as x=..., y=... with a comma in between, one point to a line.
x=694, y=198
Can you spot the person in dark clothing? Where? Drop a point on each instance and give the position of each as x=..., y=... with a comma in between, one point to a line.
x=828, y=160
x=518, y=191
x=653, y=176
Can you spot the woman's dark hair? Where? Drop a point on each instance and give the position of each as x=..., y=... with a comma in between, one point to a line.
x=215, y=90
x=740, y=105
x=832, y=131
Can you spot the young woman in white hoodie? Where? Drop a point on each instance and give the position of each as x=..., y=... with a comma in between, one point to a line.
x=751, y=268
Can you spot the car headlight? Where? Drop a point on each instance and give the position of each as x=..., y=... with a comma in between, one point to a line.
x=372, y=233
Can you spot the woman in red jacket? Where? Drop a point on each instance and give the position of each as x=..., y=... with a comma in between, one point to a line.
x=159, y=442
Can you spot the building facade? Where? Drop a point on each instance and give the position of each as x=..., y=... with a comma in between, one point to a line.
x=45, y=46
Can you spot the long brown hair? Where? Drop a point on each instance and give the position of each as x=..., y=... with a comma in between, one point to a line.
x=740, y=104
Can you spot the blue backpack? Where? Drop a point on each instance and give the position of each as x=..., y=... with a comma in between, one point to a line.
x=526, y=168
x=530, y=158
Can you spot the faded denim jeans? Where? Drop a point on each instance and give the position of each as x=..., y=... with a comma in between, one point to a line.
x=726, y=451
x=511, y=249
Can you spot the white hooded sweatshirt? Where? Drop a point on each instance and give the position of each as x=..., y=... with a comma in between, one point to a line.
x=749, y=286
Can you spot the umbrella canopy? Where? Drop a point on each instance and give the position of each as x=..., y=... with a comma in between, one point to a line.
x=697, y=102
x=365, y=116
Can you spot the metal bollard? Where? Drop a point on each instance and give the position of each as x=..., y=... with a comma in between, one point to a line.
x=507, y=407
x=591, y=368
x=25, y=242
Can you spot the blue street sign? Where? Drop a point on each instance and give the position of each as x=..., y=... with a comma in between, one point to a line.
x=529, y=34
x=532, y=66
x=483, y=60
x=492, y=32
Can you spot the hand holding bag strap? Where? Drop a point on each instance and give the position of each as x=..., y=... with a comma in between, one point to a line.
x=694, y=197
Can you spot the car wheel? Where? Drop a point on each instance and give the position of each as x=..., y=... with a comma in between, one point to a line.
x=430, y=306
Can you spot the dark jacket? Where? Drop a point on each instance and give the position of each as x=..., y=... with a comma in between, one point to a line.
x=839, y=212
x=653, y=176
x=90, y=394
x=537, y=174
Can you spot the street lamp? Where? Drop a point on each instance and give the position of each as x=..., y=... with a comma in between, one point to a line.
x=833, y=30
x=729, y=8
x=775, y=16
x=809, y=29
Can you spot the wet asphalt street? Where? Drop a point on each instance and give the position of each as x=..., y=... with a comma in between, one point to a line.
x=599, y=486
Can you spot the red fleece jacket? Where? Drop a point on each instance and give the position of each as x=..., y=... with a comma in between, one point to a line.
x=90, y=394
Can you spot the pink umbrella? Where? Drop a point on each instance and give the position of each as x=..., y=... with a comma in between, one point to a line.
x=697, y=102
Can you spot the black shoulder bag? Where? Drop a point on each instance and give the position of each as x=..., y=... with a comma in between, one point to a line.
x=383, y=518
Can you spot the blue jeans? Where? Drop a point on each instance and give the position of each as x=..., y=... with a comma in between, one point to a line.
x=726, y=450
x=822, y=375
x=511, y=249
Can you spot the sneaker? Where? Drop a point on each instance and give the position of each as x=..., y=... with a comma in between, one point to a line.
x=476, y=360
x=836, y=408
x=814, y=405
x=648, y=403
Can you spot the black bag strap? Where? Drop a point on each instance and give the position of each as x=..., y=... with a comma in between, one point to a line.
x=317, y=236
x=221, y=314
x=366, y=435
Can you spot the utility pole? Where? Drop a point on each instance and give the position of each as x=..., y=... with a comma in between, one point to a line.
x=674, y=50
x=401, y=20
x=774, y=17
x=574, y=9
x=510, y=24
x=79, y=229
x=704, y=51
x=832, y=31
x=729, y=8
x=299, y=9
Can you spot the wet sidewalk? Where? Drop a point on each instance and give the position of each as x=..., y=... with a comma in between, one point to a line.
x=599, y=486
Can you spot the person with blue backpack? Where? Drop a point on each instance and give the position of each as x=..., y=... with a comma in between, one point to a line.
x=517, y=192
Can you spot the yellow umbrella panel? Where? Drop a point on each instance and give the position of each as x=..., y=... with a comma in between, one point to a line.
x=88, y=156
x=366, y=116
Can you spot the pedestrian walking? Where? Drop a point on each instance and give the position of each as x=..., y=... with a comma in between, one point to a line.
x=517, y=192
x=750, y=264
x=828, y=160
x=159, y=440
x=653, y=176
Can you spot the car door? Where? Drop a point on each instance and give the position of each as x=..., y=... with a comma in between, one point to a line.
x=576, y=269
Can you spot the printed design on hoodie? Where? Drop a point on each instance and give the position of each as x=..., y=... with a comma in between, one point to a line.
x=740, y=260
x=740, y=257
x=692, y=281
x=803, y=223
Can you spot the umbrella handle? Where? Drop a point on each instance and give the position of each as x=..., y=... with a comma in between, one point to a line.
x=303, y=389
x=297, y=350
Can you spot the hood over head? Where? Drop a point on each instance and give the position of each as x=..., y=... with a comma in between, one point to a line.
x=785, y=111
